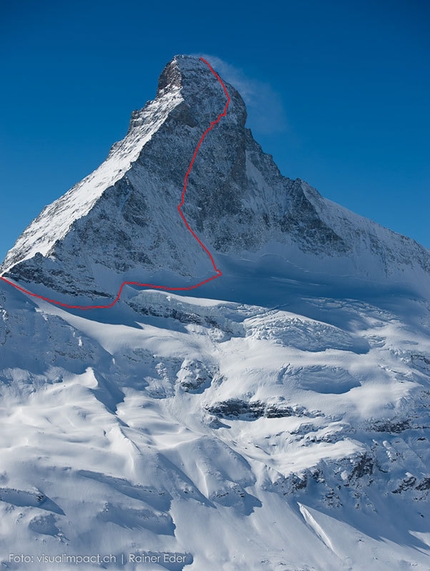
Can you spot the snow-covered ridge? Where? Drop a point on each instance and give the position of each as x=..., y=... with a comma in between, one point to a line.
x=55, y=220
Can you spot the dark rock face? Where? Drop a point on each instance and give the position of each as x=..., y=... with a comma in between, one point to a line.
x=246, y=410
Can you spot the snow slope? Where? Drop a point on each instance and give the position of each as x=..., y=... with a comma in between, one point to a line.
x=240, y=437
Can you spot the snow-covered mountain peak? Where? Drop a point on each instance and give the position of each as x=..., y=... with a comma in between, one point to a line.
x=185, y=72
x=121, y=222
x=279, y=420
x=201, y=92
x=182, y=68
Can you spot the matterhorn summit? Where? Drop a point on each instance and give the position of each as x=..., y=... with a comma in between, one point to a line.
x=271, y=413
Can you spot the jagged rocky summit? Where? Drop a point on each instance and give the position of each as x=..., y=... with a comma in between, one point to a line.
x=121, y=222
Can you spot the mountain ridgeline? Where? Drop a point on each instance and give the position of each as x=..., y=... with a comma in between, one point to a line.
x=121, y=222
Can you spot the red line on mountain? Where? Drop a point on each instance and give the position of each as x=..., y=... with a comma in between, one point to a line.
x=218, y=272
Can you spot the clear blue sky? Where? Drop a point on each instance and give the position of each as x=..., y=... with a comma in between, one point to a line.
x=343, y=88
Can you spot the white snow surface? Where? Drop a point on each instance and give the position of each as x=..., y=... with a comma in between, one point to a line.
x=236, y=436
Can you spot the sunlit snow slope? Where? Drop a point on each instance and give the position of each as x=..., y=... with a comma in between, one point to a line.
x=243, y=437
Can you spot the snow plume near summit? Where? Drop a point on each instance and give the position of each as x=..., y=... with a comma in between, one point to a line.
x=266, y=113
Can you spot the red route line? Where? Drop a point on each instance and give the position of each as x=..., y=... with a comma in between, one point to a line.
x=217, y=271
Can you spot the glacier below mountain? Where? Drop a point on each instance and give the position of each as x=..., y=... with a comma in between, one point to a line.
x=238, y=436
x=274, y=419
